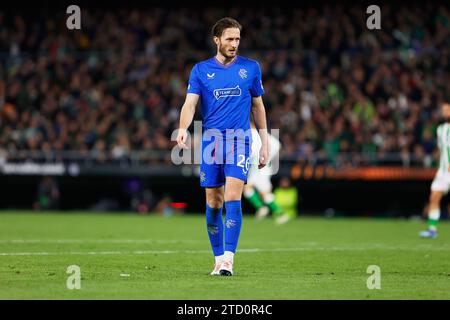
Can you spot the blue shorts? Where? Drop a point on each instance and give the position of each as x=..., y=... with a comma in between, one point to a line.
x=224, y=158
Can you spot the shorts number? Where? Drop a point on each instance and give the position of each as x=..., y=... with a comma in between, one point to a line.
x=241, y=163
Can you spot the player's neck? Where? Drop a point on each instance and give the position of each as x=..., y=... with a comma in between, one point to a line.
x=224, y=60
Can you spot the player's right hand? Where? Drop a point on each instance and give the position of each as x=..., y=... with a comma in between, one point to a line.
x=263, y=156
x=181, y=138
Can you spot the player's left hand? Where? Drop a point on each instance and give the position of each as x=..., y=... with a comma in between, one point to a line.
x=263, y=157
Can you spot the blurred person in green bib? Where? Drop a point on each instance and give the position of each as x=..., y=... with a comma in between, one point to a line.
x=286, y=196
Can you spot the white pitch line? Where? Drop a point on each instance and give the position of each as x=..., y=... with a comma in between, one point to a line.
x=116, y=241
x=139, y=252
x=244, y=250
x=305, y=245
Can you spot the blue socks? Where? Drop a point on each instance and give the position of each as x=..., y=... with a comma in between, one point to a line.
x=233, y=222
x=215, y=227
x=214, y=224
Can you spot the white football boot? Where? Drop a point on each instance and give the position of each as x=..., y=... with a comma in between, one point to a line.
x=226, y=269
x=430, y=234
x=216, y=271
x=282, y=219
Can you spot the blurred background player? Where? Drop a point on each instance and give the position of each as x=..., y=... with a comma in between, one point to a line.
x=47, y=195
x=441, y=183
x=258, y=190
x=286, y=196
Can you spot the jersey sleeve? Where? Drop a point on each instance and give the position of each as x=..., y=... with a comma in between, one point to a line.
x=257, y=88
x=194, y=82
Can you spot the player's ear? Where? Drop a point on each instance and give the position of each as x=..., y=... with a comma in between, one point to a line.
x=216, y=40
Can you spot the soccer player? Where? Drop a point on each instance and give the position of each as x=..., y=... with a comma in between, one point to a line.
x=441, y=182
x=258, y=190
x=230, y=87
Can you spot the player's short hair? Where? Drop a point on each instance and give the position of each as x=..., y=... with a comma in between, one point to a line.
x=224, y=23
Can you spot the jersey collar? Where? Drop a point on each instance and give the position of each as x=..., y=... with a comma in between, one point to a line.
x=225, y=65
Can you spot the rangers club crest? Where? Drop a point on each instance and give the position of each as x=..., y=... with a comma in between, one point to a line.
x=243, y=73
x=230, y=223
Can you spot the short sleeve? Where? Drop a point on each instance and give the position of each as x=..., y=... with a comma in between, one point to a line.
x=194, y=83
x=257, y=88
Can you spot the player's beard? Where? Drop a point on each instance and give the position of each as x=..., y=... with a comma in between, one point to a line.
x=224, y=52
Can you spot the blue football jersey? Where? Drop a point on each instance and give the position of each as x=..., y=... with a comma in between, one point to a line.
x=226, y=91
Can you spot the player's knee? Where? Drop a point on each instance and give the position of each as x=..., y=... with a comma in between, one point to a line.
x=215, y=201
x=215, y=204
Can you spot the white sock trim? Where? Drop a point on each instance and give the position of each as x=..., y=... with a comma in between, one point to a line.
x=268, y=198
x=219, y=259
x=228, y=255
x=249, y=192
x=434, y=214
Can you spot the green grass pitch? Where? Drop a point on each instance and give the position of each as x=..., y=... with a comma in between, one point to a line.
x=170, y=258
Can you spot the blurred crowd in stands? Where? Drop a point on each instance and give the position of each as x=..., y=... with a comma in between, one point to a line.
x=333, y=87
